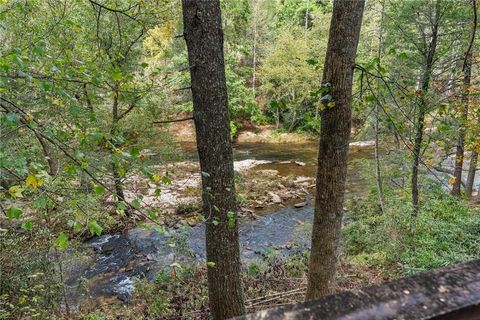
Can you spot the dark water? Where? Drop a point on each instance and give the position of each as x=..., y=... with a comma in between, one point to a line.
x=111, y=263
x=141, y=253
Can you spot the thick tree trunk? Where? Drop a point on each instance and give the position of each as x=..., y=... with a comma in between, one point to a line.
x=204, y=37
x=420, y=124
x=333, y=147
x=471, y=174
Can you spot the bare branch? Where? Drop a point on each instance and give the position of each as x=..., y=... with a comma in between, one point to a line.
x=173, y=120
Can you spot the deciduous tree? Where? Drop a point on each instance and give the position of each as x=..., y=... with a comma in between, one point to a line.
x=333, y=150
x=204, y=36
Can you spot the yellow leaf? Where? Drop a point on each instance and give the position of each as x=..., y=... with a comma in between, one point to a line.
x=452, y=180
x=15, y=191
x=33, y=181
x=28, y=117
x=156, y=178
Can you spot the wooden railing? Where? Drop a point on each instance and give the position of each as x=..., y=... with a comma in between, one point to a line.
x=449, y=293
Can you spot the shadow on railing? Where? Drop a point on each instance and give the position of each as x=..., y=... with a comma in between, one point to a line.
x=449, y=293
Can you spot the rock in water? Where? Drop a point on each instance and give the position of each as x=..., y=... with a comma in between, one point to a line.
x=275, y=197
x=300, y=205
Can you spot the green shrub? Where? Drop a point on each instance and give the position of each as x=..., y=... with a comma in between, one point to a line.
x=444, y=232
x=29, y=287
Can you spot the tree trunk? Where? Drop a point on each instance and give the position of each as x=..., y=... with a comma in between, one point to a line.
x=471, y=174
x=457, y=174
x=52, y=162
x=419, y=127
x=204, y=37
x=306, y=18
x=333, y=147
x=467, y=77
x=254, y=74
x=84, y=178
x=378, y=172
x=117, y=179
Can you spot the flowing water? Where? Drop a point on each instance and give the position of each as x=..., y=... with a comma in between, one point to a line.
x=108, y=265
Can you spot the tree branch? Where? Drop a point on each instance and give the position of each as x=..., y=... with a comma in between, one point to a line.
x=173, y=120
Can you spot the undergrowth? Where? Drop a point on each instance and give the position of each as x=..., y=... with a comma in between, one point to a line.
x=445, y=231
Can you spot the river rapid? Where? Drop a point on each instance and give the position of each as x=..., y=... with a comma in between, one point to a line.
x=106, y=267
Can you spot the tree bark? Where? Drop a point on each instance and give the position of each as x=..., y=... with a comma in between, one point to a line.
x=204, y=37
x=254, y=66
x=467, y=77
x=471, y=174
x=117, y=179
x=378, y=172
x=420, y=124
x=459, y=154
x=333, y=147
x=52, y=161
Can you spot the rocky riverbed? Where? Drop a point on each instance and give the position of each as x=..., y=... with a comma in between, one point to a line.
x=116, y=261
x=277, y=216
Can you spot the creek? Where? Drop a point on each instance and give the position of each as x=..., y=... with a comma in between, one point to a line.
x=106, y=267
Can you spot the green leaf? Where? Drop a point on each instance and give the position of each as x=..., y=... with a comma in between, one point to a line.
x=117, y=74
x=16, y=191
x=166, y=180
x=152, y=215
x=99, y=190
x=77, y=226
x=27, y=225
x=14, y=212
x=135, y=204
x=231, y=219
x=40, y=203
x=211, y=264
x=121, y=206
x=12, y=117
x=62, y=241
x=95, y=228
x=135, y=152
x=96, y=136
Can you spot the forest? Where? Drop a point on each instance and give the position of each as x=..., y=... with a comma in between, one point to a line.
x=207, y=159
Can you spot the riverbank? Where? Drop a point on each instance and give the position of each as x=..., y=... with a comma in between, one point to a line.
x=248, y=133
x=269, y=176
x=275, y=183
x=160, y=270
